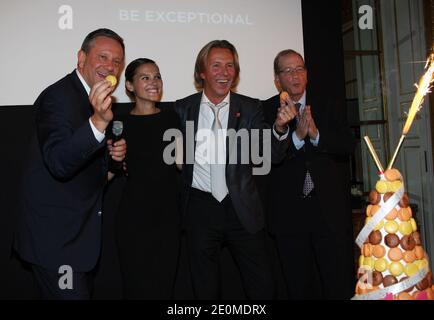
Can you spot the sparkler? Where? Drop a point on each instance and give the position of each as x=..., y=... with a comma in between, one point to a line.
x=374, y=154
x=423, y=89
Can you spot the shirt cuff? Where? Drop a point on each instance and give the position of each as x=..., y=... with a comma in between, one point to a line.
x=98, y=135
x=316, y=141
x=298, y=144
x=278, y=136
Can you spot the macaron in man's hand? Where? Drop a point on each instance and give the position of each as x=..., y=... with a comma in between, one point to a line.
x=112, y=79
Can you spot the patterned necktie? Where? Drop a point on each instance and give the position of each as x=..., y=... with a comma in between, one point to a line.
x=308, y=182
x=297, y=107
x=217, y=166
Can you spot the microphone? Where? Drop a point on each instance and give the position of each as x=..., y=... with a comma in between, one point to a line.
x=117, y=128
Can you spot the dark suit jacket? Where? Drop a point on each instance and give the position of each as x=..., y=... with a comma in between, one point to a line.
x=244, y=113
x=287, y=178
x=62, y=185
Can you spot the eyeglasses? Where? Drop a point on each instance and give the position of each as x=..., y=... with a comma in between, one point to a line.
x=293, y=71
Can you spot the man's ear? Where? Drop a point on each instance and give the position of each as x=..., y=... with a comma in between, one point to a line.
x=277, y=83
x=81, y=59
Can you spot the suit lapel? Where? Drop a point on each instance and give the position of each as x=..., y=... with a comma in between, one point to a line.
x=193, y=113
x=233, y=123
x=84, y=97
x=234, y=111
x=312, y=104
x=85, y=109
x=313, y=108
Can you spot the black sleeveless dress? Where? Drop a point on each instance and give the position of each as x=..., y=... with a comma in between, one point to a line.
x=147, y=222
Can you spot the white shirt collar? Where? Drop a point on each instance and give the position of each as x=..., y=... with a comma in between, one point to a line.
x=302, y=100
x=225, y=101
x=83, y=82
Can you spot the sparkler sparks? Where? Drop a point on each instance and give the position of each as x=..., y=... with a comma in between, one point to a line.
x=423, y=88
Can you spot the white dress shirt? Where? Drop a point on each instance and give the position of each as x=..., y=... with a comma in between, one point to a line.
x=98, y=134
x=202, y=155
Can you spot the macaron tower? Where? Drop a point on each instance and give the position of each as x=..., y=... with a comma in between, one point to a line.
x=393, y=264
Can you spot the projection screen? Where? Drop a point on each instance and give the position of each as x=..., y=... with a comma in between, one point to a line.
x=41, y=39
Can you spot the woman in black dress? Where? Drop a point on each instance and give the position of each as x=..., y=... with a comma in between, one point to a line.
x=148, y=235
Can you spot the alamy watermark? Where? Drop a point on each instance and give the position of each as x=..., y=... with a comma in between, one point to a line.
x=65, y=21
x=366, y=21
x=66, y=280
x=246, y=147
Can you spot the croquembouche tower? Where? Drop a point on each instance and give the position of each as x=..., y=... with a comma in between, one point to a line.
x=393, y=264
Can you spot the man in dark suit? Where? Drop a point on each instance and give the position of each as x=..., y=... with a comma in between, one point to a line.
x=220, y=199
x=312, y=227
x=59, y=231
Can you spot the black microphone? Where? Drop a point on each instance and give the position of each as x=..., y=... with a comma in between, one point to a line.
x=118, y=127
